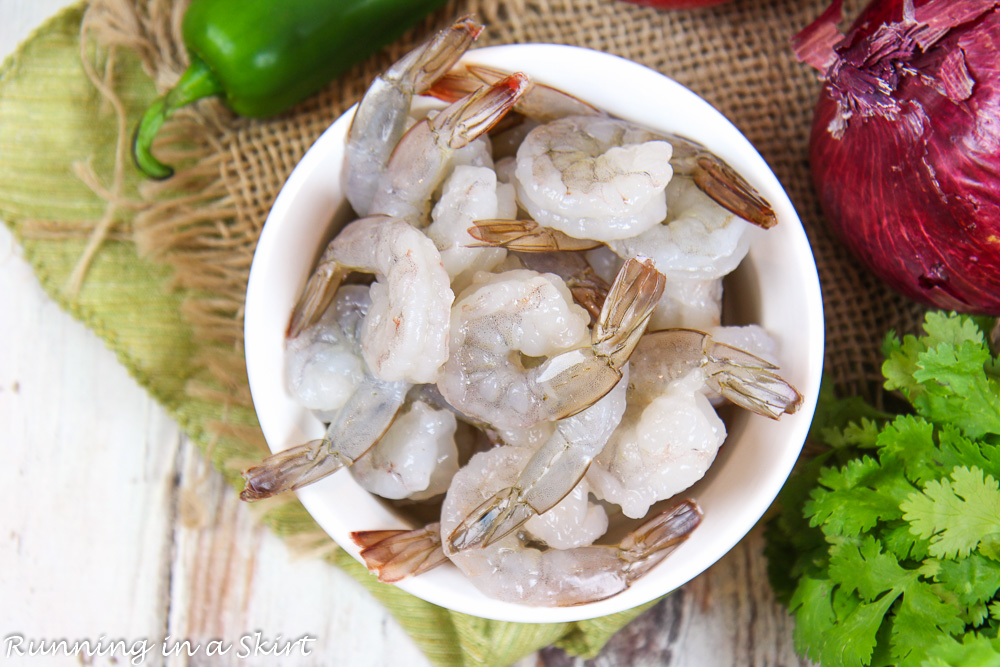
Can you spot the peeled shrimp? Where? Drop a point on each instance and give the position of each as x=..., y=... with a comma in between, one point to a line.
x=415, y=459
x=512, y=571
x=665, y=443
x=691, y=304
x=381, y=116
x=423, y=157
x=524, y=314
x=742, y=377
x=547, y=477
x=545, y=250
x=469, y=193
x=357, y=425
x=698, y=239
x=720, y=182
x=670, y=433
x=593, y=177
x=405, y=335
x=575, y=521
x=543, y=104
x=323, y=367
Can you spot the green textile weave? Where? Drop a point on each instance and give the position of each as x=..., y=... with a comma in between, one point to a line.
x=52, y=117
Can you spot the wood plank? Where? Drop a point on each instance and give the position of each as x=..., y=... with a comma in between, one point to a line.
x=727, y=616
x=232, y=578
x=88, y=461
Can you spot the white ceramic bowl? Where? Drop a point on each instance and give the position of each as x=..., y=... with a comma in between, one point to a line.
x=776, y=286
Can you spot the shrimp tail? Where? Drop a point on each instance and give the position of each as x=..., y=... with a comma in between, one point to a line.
x=525, y=236
x=318, y=293
x=651, y=542
x=749, y=381
x=396, y=554
x=291, y=469
x=731, y=191
x=627, y=309
x=473, y=115
x=590, y=292
x=500, y=515
x=454, y=85
x=440, y=53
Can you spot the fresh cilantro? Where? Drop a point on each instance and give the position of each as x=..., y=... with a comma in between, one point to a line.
x=956, y=514
x=887, y=545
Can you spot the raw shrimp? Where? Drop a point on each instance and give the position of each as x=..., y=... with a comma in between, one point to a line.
x=575, y=521
x=685, y=303
x=665, y=443
x=423, y=157
x=415, y=459
x=512, y=571
x=469, y=193
x=358, y=424
x=605, y=263
x=405, y=334
x=542, y=250
x=323, y=366
x=746, y=379
x=524, y=314
x=720, y=182
x=381, y=116
x=547, y=477
x=594, y=177
x=543, y=104
x=670, y=433
x=698, y=240
x=691, y=304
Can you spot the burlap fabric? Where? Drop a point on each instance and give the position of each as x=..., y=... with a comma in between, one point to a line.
x=160, y=269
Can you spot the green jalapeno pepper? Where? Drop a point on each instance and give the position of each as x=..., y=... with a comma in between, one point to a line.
x=263, y=56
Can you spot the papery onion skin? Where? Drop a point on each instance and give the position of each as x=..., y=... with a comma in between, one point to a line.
x=916, y=197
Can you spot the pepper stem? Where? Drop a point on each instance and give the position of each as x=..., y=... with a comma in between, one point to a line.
x=197, y=82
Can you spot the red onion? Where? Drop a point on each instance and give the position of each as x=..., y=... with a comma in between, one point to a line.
x=905, y=144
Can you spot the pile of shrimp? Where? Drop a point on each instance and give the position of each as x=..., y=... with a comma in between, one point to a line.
x=524, y=320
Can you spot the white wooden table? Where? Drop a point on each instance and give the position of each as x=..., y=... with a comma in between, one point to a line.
x=114, y=528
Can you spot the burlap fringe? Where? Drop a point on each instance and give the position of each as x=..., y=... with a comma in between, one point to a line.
x=192, y=223
x=189, y=221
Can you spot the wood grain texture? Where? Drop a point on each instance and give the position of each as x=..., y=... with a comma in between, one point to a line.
x=116, y=527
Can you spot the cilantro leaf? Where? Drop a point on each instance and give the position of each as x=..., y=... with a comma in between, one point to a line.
x=944, y=374
x=910, y=440
x=975, y=650
x=813, y=609
x=950, y=328
x=974, y=579
x=956, y=515
x=856, y=496
x=957, y=389
x=852, y=640
x=920, y=614
x=865, y=568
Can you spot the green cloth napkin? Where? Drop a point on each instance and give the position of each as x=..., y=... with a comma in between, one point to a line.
x=52, y=117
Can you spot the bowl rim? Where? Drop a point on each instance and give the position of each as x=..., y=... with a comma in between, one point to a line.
x=588, y=66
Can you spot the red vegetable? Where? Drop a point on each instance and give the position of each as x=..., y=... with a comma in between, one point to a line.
x=677, y=4
x=905, y=144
